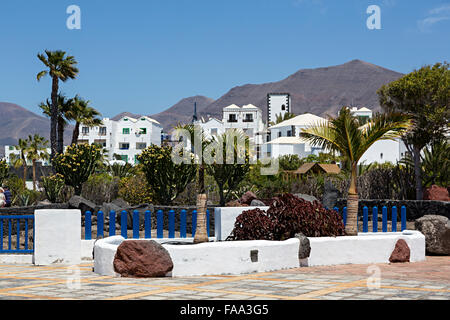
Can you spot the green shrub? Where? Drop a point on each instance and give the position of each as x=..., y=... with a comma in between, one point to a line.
x=27, y=198
x=77, y=164
x=122, y=170
x=135, y=190
x=101, y=188
x=15, y=185
x=4, y=171
x=53, y=186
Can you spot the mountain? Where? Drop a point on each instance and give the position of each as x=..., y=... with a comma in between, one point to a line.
x=182, y=111
x=321, y=91
x=17, y=122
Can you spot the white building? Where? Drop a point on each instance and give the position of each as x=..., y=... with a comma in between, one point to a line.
x=285, y=140
x=126, y=137
x=10, y=150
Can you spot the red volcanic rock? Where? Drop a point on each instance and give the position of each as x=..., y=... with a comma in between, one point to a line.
x=401, y=252
x=436, y=193
x=142, y=259
x=248, y=197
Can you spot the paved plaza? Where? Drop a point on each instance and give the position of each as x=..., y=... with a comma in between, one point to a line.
x=410, y=281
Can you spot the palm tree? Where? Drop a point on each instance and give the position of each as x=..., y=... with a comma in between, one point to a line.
x=37, y=150
x=64, y=106
x=60, y=67
x=346, y=135
x=82, y=114
x=21, y=159
x=280, y=118
x=201, y=234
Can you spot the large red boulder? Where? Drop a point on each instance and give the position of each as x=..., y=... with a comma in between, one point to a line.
x=401, y=252
x=436, y=193
x=142, y=259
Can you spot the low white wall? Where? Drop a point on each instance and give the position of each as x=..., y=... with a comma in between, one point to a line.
x=213, y=258
x=225, y=218
x=365, y=248
x=16, y=259
x=57, y=237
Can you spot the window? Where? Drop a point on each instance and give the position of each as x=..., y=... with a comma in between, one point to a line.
x=141, y=145
x=283, y=108
x=101, y=143
x=85, y=130
x=124, y=146
x=248, y=117
x=381, y=156
x=289, y=133
x=126, y=131
x=102, y=131
x=124, y=158
x=143, y=131
x=279, y=134
x=214, y=132
x=232, y=118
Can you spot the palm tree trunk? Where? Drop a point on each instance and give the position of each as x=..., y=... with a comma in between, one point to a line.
x=201, y=233
x=60, y=146
x=76, y=133
x=34, y=175
x=418, y=173
x=351, y=229
x=25, y=172
x=54, y=118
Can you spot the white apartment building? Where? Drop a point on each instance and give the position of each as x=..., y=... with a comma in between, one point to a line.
x=126, y=137
x=247, y=118
x=10, y=150
x=285, y=140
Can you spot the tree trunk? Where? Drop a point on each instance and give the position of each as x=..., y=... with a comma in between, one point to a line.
x=60, y=144
x=351, y=229
x=25, y=172
x=54, y=118
x=34, y=175
x=222, y=196
x=201, y=233
x=76, y=133
x=418, y=173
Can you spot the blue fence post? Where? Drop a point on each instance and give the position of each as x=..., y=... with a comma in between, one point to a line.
x=160, y=224
x=88, y=225
x=100, y=224
x=26, y=235
x=403, y=218
x=183, y=224
x=394, y=219
x=123, y=224
x=18, y=234
x=207, y=222
x=171, y=224
x=1, y=234
x=9, y=234
x=148, y=225
x=194, y=222
x=112, y=223
x=385, y=218
x=365, y=219
x=375, y=220
x=136, y=224
x=344, y=215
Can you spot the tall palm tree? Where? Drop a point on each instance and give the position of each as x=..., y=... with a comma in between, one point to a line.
x=60, y=67
x=82, y=114
x=37, y=150
x=64, y=106
x=346, y=135
x=20, y=160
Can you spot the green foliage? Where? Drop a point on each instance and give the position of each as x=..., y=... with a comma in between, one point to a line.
x=27, y=198
x=77, y=164
x=166, y=178
x=15, y=185
x=4, y=171
x=135, y=189
x=226, y=169
x=436, y=164
x=122, y=171
x=101, y=188
x=290, y=162
x=53, y=186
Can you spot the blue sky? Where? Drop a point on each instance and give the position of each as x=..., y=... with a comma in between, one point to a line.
x=143, y=56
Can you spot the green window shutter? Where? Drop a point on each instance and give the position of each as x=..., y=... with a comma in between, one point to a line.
x=124, y=158
x=143, y=130
x=126, y=131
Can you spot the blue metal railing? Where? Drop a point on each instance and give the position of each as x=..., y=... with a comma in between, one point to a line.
x=384, y=218
x=136, y=224
x=6, y=223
